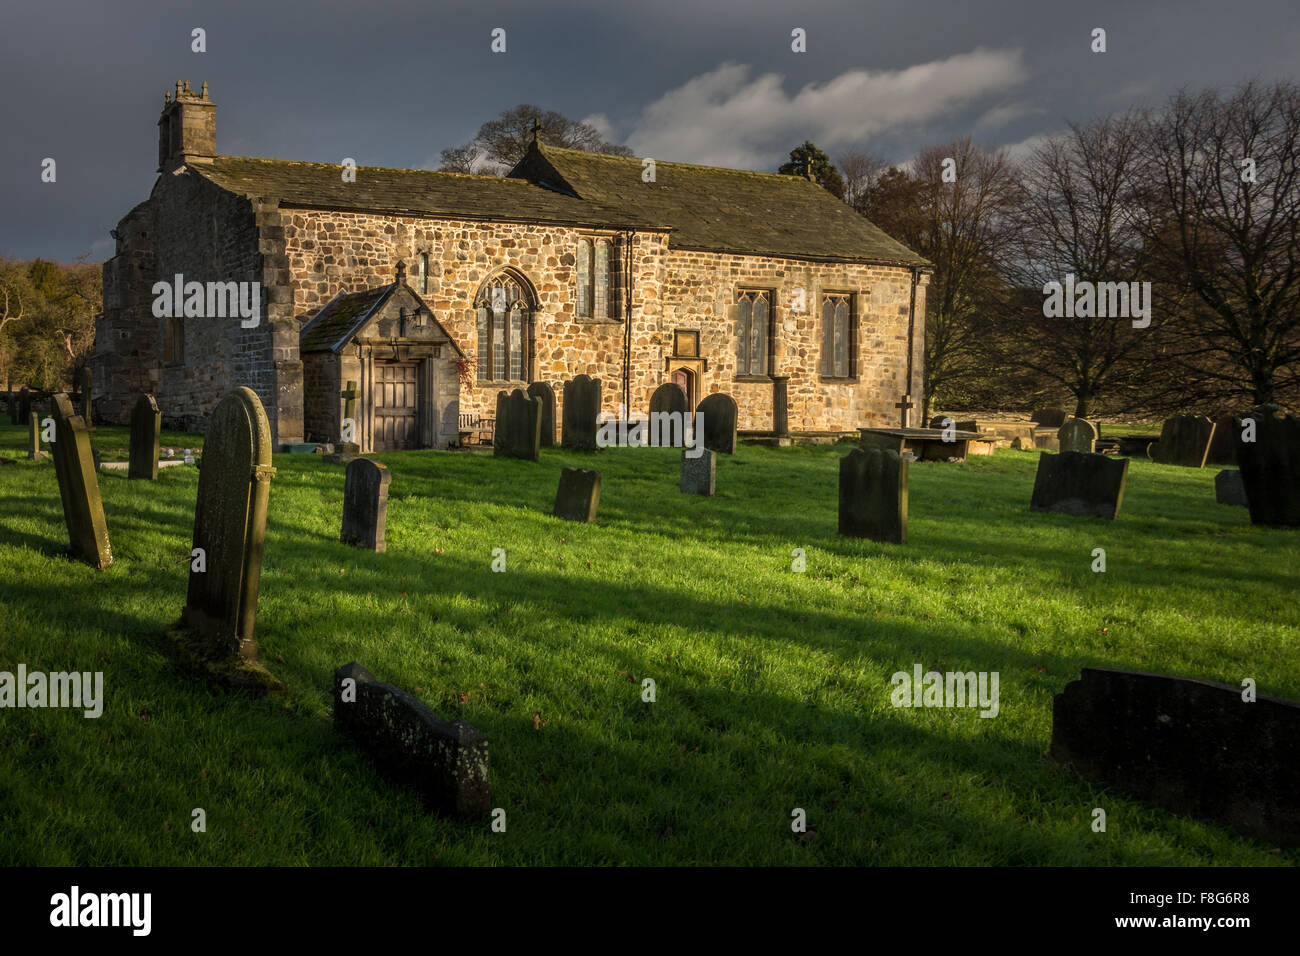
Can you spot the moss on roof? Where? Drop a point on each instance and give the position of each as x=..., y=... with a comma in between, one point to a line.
x=340, y=317
x=726, y=210
x=704, y=207
x=410, y=191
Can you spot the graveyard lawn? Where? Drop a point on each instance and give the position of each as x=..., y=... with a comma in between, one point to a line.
x=773, y=686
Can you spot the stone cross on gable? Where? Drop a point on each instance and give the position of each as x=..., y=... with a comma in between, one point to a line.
x=905, y=406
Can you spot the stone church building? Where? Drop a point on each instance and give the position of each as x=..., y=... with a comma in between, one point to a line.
x=434, y=291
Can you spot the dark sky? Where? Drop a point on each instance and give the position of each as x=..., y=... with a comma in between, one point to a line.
x=392, y=83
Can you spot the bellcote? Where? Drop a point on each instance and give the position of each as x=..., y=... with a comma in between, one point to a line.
x=187, y=129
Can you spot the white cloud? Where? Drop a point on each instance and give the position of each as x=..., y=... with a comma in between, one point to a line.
x=1020, y=151
x=102, y=249
x=601, y=124
x=725, y=118
x=1000, y=116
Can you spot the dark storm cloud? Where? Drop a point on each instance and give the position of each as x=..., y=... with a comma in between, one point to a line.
x=393, y=83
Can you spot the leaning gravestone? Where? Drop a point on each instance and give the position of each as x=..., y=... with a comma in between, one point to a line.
x=1223, y=446
x=220, y=615
x=873, y=495
x=1190, y=746
x=578, y=496
x=146, y=430
x=581, y=411
x=1184, y=440
x=720, y=413
x=1270, y=467
x=1077, y=434
x=1073, y=483
x=446, y=763
x=547, y=394
x=74, y=464
x=1049, y=417
x=1229, y=489
x=698, y=473
x=669, y=398
x=518, y=432
x=365, y=504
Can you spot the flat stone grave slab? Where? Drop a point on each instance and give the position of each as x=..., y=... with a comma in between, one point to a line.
x=1190, y=746
x=926, y=444
x=445, y=762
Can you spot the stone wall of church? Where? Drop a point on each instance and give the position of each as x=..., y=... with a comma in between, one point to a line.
x=700, y=290
x=333, y=252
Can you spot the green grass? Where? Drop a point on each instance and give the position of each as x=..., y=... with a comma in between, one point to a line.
x=773, y=686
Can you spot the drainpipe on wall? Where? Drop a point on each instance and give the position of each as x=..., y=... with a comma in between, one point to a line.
x=628, y=237
x=906, y=404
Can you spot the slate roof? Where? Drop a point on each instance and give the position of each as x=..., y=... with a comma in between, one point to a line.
x=407, y=191
x=704, y=207
x=341, y=317
x=727, y=210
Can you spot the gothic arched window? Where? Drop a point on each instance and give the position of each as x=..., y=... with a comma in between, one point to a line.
x=753, y=332
x=504, y=313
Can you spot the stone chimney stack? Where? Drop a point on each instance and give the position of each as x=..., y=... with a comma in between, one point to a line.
x=187, y=129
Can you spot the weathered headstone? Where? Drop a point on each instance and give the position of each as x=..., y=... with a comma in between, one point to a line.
x=578, y=496
x=1077, y=434
x=667, y=398
x=347, y=447
x=146, y=430
x=1223, y=446
x=74, y=464
x=873, y=495
x=11, y=403
x=25, y=405
x=365, y=504
x=220, y=613
x=581, y=411
x=518, y=432
x=698, y=473
x=34, y=437
x=1270, y=467
x=1184, y=440
x=1073, y=483
x=1050, y=417
x=547, y=394
x=1229, y=488
x=720, y=413
x=1190, y=746
x=84, y=382
x=445, y=762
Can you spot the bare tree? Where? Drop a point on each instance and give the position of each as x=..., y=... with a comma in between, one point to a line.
x=502, y=142
x=1081, y=216
x=1224, y=197
x=861, y=171
x=966, y=198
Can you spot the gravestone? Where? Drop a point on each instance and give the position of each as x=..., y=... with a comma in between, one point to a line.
x=720, y=412
x=578, y=496
x=34, y=437
x=873, y=495
x=1021, y=443
x=1223, y=446
x=365, y=504
x=581, y=411
x=220, y=613
x=1077, y=434
x=25, y=405
x=74, y=464
x=346, y=449
x=1184, y=440
x=518, y=432
x=445, y=762
x=1229, y=488
x=146, y=430
x=11, y=403
x=1049, y=417
x=698, y=473
x=1073, y=483
x=1190, y=746
x=547, y=394
x=1270, y=468
x=667, y=398
x=84, y=384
